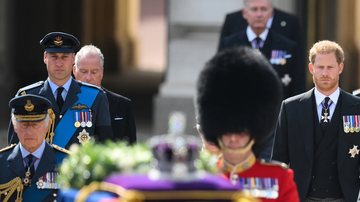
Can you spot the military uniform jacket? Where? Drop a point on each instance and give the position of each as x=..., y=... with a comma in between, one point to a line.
x=100, y=129
x=282, y=54
x=294, y=142
x=12, y=165
x=271, y=181
x=122, y=118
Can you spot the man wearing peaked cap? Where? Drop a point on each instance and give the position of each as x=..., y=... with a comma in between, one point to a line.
x=28, y=169
x=59, y=42
x=238, y=97
x=29, y=108
x=81, y=110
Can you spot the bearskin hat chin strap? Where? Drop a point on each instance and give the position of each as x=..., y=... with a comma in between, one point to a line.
x=241, y=150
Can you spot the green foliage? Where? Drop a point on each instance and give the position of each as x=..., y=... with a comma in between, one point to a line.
x=93, y=162
x=207, y=162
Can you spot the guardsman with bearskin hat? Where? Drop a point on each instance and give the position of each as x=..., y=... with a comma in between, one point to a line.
x=238, y=98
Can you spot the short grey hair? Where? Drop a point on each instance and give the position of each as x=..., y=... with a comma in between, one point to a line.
x=246, y=3
x=89, y=50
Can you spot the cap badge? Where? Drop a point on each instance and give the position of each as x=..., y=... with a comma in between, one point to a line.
x=58, y=41
x=29, y=106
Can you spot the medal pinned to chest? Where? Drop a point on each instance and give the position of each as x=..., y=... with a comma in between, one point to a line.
x=82, y=116
x=351, y=123
x=48, y=181
x=262, y=187
x=82, y=119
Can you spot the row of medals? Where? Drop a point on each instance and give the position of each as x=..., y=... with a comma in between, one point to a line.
x=83, y=119
x=257, y=186
x=351, y=123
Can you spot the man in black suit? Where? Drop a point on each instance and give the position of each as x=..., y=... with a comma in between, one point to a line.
x=318, y=132
x=282, y=53
x=281, y=22
x=89, y=67
x=29, y=169
x=81, y=111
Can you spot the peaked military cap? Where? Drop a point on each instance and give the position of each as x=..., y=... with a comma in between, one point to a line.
x=238, y=91
x=59, y=42
x=29, y=108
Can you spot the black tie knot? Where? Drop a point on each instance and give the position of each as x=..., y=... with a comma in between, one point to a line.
x=29, y=160
x=29, y=168
x=325, y=112
x=258, y=41
x=59, y=98
x=326, y=102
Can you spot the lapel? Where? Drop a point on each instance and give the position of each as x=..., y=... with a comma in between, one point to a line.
x=71, y=96
x=242, y=39
x=306, y=111
x=47, y=93
x=47, y=162
x=266, y=49
x=15, y=162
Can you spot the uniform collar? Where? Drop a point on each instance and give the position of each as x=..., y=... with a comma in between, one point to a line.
x=238, y=168
x=251, y=34
x=319, y=97
x=54, y=87
x=37, y=153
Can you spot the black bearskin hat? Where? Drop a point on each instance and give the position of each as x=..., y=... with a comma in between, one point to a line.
x=238, y=90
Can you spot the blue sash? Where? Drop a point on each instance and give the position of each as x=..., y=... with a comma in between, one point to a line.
x=32, y=193
x=65, y=129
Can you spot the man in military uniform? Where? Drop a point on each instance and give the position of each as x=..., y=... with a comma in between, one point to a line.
x=238, y=97
x=81, y=110
x=28, y=169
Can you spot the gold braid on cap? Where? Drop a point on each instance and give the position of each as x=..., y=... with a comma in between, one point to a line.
x=10, y=187
x=50, y=133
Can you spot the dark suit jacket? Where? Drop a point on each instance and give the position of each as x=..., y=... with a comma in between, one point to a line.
x=275, y=42
x=294, y=142
x=122, y=119
x=101, y=128
x=284, y=23
x=11, y=166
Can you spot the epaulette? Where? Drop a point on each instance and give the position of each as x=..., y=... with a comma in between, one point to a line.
x=7, y=147
x=60, y=149
x=22, y=90
x=356, y=92
x=90, y=85
x=274, y=163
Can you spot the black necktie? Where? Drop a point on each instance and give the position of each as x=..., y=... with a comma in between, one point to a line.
x=30, y=164
x=258, y=41
x=325, y=112
x=59, y=98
